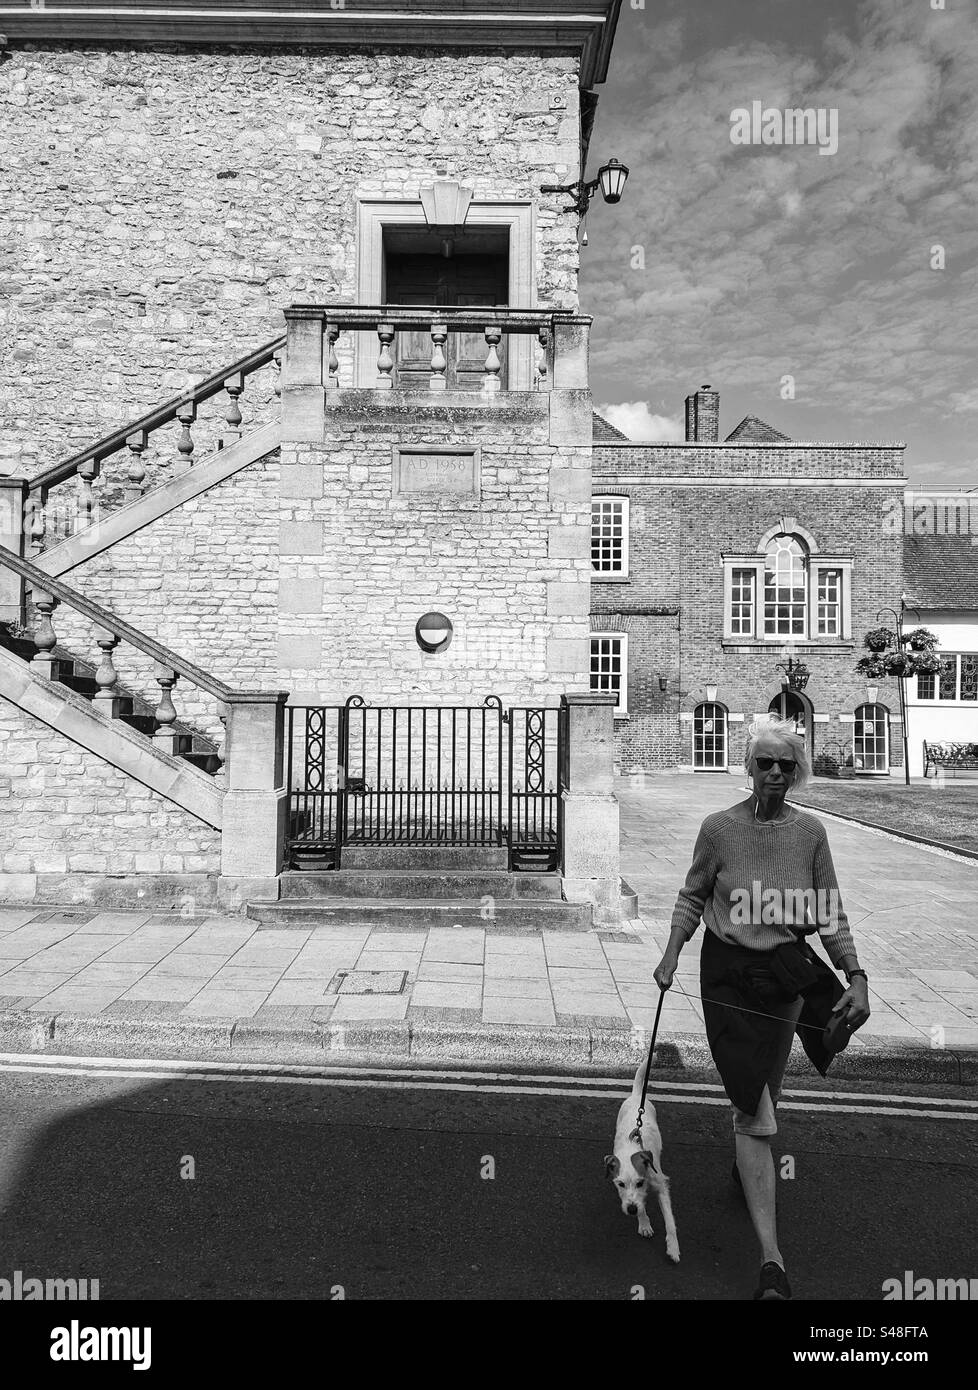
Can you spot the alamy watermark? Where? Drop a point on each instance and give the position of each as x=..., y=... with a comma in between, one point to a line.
x=932, y=514
x=28, y=1289
x=789, y=907
x=758, y=124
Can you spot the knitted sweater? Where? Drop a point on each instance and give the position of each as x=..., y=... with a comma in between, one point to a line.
x=757, y=884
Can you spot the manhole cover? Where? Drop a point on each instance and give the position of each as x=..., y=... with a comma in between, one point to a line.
x=367, y=982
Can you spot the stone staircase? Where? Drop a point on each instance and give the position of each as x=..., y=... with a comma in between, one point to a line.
x=400, y=887
x=75, y=674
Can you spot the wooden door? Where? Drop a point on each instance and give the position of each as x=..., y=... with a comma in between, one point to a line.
x=455, y=283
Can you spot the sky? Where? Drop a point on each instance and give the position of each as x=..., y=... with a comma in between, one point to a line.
x=772, y=269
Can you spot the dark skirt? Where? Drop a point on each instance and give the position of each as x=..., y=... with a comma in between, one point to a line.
x=738, y=988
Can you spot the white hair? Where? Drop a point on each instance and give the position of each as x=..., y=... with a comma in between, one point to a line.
x=768, y=731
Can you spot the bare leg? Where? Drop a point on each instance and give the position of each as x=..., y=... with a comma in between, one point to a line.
x=756, y=1164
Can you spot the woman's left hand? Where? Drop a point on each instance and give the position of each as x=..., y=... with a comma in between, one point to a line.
x=854, y=1004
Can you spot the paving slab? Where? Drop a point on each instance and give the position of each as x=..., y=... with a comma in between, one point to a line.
x=575, y=997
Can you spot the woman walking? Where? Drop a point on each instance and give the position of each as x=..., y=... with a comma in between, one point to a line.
x=762, y=879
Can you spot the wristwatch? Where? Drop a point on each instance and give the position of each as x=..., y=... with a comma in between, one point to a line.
x=851, y=975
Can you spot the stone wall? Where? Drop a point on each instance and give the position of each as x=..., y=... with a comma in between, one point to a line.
x=510, y=565
x=203, y=580
x=63, y=811
x=159, y=208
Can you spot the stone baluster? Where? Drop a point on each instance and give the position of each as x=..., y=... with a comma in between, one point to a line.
x=85, y=508
x=220, y=776
x=332, y=361
x=493, y=366
x=43, y=634
x=186, y=414
x=277, y=369
x=106, y=700
x=439, y=362
x=136, y=477
x=234, y=385
x=165, y=713
x=385, y=361
x=542, y=384
x=35, y=520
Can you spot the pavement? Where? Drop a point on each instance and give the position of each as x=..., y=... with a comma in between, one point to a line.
x=81, y=980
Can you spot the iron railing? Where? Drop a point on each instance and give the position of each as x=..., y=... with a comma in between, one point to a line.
x=423, y=775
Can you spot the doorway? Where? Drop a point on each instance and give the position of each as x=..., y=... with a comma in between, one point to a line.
x=460, y=268
x=788, y=704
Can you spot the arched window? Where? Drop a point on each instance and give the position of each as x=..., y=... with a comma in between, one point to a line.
x=786, y=587
x=871, y=739
x=710, y=738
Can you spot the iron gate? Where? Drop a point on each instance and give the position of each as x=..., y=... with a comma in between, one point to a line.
x=425, y=775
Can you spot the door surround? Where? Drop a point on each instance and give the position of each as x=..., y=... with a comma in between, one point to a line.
x=374, y=214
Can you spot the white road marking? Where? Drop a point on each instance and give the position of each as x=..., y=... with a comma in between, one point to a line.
x=491, y=1083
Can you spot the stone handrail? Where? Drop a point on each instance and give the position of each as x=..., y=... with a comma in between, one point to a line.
x=48, y=592
x=492, y=320
x=86, y=465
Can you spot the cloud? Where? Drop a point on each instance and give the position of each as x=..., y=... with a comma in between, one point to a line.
x=766, y=261
x=635, y=420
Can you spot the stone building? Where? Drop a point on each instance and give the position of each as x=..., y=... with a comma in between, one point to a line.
x=717, y=562
x=296, y=442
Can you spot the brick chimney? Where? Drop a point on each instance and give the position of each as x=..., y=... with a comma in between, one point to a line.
x=703, y=416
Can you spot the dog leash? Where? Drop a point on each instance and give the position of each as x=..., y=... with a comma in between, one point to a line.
x=725, y=1004
x=637, y=1131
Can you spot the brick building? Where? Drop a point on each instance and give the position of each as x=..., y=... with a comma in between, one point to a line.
x=713, y=562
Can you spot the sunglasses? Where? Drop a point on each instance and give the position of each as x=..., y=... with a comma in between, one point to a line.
x=787, y=765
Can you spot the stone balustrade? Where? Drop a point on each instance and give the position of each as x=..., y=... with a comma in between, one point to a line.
x=314, y=331
x=69, y=497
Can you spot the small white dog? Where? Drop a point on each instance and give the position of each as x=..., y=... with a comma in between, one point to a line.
x=635, y=1167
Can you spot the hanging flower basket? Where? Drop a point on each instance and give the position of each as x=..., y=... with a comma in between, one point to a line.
x=872, y=667
x=925, y=663
x=879, y=639
x=921, y=640
x=896, y=664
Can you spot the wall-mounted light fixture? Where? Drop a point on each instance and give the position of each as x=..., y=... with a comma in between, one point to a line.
x=711, y=694
x=434, y=632
x=611, y=180
x=796, y=674
x=663, y=684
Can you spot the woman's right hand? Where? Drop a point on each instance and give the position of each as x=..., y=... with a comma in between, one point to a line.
x=666, y=969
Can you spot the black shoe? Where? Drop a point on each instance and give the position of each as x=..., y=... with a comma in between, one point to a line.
x=774, y=1283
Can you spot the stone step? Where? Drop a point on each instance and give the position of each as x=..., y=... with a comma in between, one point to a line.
x=467, y=857
x=391, y=884
x=509, y=915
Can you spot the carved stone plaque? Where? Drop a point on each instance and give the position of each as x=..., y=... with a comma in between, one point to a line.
x=449, y=471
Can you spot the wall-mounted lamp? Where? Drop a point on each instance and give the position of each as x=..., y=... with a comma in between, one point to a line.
x=796, y=674
x=711, y=694
x=663, y=684
x=611, y=180
x=434, y=632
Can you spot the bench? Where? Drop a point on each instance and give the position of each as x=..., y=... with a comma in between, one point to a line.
x=950, y=755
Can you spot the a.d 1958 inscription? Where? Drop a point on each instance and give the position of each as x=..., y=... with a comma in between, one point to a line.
x=454, y=471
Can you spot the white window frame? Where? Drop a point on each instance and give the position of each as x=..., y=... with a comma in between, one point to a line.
x=877, y=771
x=716, y=767
x=621, y=573
x=622, y=637
x=935, y=701
x=816, y=562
